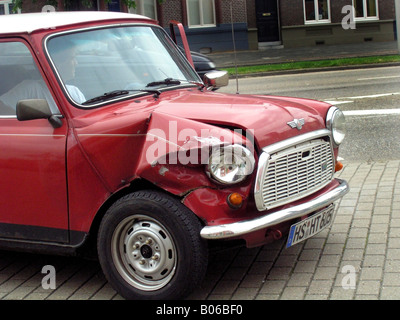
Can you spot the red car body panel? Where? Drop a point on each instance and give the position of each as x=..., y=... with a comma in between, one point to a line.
x=113, y=141
x=74, y=170
x=28, y=151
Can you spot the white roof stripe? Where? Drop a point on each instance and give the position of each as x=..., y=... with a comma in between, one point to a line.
x=29, y=22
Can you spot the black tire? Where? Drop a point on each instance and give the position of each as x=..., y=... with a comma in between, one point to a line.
x=167, y=257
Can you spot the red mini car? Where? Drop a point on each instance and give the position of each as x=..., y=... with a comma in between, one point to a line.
x=110, y=141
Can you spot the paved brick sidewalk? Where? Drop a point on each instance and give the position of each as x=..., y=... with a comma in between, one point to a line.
x=364, y=239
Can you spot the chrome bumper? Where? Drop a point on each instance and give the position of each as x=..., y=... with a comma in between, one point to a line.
x=236, y=229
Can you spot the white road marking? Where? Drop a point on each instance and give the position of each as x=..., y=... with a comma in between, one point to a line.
x=374, y=96
x=375, y=112
x=378, y=78
x=349, y=99
x=336, y=102
x=346, y=100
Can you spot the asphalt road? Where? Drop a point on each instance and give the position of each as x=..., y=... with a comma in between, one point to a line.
x=369, y=97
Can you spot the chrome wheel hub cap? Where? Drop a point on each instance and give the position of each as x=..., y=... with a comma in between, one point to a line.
x=144, y=253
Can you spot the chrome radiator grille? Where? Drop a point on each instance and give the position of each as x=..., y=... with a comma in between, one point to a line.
x=295, y=172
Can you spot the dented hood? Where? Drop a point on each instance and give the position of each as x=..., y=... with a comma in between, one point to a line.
x=134, y=137
x=266, y=116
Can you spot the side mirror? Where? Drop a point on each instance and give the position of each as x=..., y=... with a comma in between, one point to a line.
x=216, y=79
x=31, y=109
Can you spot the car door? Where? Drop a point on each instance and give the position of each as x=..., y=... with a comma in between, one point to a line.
x=33, y=188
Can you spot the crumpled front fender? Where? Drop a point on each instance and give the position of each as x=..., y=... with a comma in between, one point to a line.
x=176, y=152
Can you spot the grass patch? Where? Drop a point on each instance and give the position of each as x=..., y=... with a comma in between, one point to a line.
x=313, y=64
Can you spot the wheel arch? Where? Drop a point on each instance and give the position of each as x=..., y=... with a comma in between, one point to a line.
x=136, y=185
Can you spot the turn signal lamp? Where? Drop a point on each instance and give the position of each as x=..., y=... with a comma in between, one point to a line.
x=338, y=166
x=235, y=200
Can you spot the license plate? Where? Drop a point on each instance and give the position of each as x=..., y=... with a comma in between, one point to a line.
x=310, y=226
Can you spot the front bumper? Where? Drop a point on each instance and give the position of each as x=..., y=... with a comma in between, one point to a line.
x=237, y=229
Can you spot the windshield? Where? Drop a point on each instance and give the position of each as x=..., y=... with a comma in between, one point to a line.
x=97, y=66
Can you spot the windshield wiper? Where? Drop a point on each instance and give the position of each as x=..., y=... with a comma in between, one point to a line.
x=106, y=96
x=117, y=93
x=166, y=81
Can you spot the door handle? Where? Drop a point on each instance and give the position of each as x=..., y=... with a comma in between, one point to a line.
x=266, y=14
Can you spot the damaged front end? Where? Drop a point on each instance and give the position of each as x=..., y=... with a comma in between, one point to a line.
x=182, y=156
x=237, y=191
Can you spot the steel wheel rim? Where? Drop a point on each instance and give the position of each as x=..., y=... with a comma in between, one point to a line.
x=144, y=253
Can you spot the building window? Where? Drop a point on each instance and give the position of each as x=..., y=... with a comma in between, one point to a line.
x=146, y=8
x=201, y=13
x=366, y=9
x=6, y=7
x=316, y=11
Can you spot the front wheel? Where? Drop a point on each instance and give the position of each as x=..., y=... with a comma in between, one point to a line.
x=149, y=247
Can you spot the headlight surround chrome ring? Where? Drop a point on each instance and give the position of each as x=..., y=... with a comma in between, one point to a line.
x=230, y=164
x=336, y=123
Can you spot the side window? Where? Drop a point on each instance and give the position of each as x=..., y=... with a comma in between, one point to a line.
x=20, y=78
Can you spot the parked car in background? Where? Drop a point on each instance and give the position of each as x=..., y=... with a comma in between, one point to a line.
x=112, y=143
x=202, y=63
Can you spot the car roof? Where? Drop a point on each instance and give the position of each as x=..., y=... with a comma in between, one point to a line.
x=29, y=22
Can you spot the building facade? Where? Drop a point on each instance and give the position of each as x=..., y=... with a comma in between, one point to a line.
x=208, y=23
x=335, y=21
x=211, y=25
x=291, y=23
